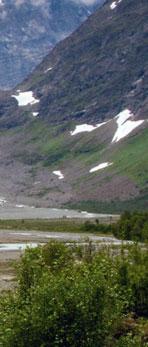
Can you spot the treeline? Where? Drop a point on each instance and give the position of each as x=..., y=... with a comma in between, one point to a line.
x=72, y=297
x=131, y=226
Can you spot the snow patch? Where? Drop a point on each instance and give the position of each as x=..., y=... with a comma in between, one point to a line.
x=85, y=128
x=59, y=174
x=125, y=126
x=100, y=167
x=114, y=4
x=82, y=128
x=35, y=114
x=49, y=69
x=25, y=98
x=20, y=206
x=24, y=206
x=100, y=125
x=138, y=81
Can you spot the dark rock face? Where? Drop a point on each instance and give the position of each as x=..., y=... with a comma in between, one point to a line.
x=99, y=70
x=29, y=29
x=95, y=73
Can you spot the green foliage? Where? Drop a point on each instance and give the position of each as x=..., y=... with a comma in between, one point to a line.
x=67, y=299
x=114, y=206
x=132, y=226
x=56, y=255
x=96, y=227
x=131, y=341
x=59, y=225
x=131, y=158
x=30, y=269
x=53, y=225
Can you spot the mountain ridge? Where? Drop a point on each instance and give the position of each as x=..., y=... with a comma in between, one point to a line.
x=83, y=80
x=30, y=29
x=105, y=163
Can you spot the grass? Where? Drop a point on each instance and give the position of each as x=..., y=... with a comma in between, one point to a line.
x=43, y=225
x=57, y=147
x=131, y=160
x=40, y=225
x=56, y=225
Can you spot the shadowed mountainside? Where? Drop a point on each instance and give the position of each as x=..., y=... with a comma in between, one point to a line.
x=30, y=29
x=99, y=70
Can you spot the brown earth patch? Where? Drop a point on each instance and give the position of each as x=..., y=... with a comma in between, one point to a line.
x=115, y=187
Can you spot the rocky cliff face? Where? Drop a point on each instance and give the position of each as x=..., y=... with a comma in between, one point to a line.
x=29, y=29
x=99, y=70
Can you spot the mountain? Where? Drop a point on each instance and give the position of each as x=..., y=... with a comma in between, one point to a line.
x=30, y=28
x=74, y=133
x=101, y=68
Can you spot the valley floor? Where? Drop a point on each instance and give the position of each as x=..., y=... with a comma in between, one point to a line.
x=13, y=243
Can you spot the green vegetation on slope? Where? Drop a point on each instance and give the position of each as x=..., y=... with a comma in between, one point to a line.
x=52, y=147
x=113, y=206
x=54, y=144
x=132, y=158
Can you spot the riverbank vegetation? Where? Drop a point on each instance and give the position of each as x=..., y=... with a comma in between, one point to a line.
x=75, y=296
x=130, y=226
x=57, y=225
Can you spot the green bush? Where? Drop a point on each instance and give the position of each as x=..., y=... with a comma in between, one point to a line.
x=56, y=255
x=132, y=226
x=96, y=227
x=65, y=300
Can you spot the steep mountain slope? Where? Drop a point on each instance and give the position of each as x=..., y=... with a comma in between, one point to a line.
x=75, y=132
x=29, y=29
x=45, y=165
x=99, y=70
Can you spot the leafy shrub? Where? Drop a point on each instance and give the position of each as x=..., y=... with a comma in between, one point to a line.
x=97, y=227
x=132, y=226
x=56, y=255
x=63, y=302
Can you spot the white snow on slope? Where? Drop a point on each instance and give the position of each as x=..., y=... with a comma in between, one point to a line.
x=25, y=98
x=49, y=69
x=59, y=174
x=125, y=126
x=85, y=128
x=100, y=167
x=35, y=114
x=114, y=4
